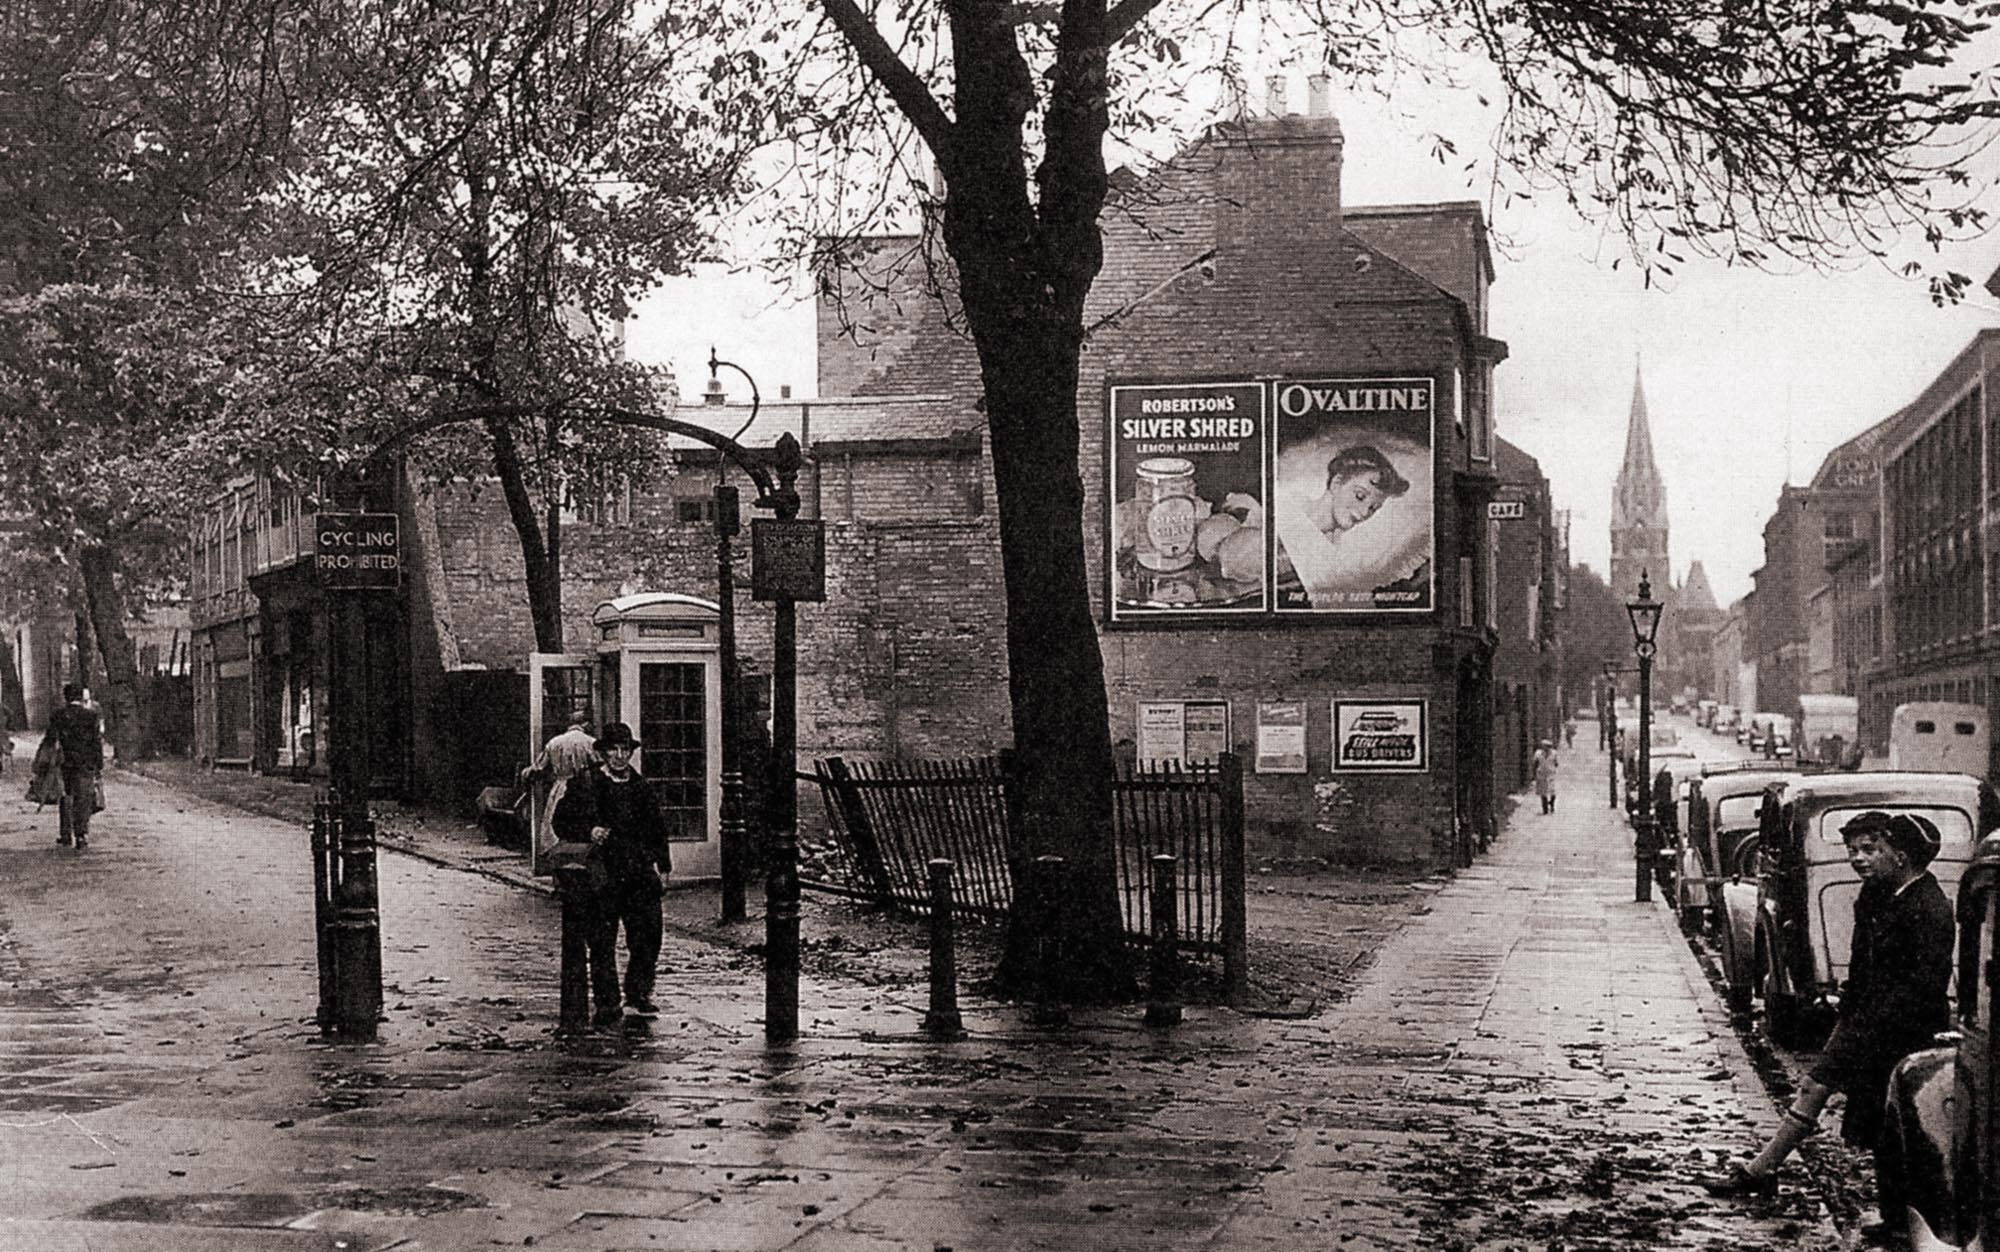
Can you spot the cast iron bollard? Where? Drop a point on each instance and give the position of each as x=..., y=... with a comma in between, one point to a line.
x=573, y=890
x=1051, y=966
x=357, y=938
x=1163, y=1007
x=943, y=1020
x=781, y=936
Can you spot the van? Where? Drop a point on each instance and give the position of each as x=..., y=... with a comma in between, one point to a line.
x=1936, y=735
x=1770, y=733
x=1829, y=730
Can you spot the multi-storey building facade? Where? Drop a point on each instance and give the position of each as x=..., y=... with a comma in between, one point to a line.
x=1252, y=340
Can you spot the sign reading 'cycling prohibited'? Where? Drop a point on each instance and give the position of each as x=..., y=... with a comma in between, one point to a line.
x=357, y=551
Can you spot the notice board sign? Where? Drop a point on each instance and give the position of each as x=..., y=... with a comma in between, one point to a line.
x=1281, y=736
x=1183, y=731
x=1381, y=736
x=787, y=559
x=357, y=551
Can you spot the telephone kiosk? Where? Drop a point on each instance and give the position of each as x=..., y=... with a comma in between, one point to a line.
x=657, y=667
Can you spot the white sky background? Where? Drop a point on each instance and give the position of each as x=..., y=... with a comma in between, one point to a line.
x=1750, y=378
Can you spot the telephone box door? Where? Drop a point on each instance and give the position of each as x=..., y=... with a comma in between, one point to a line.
x=559, y=688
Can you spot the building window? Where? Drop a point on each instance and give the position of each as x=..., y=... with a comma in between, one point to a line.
x=695, y=509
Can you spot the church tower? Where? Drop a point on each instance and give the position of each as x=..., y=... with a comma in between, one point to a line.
x=1639, y=510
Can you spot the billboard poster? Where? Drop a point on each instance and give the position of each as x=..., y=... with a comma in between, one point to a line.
x=1380, y=736
x=1352, y=486
x=1186, y=484
x=1281, y=736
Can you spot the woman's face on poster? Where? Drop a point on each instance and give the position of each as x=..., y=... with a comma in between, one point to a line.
x=1355, y=499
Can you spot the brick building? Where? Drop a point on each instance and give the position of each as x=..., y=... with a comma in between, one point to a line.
x=1259, y=336
x=1527, y=662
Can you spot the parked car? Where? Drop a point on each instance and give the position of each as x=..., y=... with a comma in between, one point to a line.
x=1803, y=918
x=1940, y=1125
x=1728, y=721
x=1723, y=809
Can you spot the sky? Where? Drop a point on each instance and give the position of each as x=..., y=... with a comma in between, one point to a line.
x=1750, y=378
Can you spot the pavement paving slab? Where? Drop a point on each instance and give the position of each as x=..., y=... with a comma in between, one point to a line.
x=1530, y=1060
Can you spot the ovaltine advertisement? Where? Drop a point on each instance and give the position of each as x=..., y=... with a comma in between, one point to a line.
x=1351, y=495
x=1186, y=468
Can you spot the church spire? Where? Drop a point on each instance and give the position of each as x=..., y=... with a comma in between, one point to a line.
x=1641, y=498
x=1638, y=503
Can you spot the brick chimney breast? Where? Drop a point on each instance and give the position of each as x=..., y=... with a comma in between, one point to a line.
x=1277, y=200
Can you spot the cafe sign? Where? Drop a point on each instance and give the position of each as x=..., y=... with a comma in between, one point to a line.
x=357, y=551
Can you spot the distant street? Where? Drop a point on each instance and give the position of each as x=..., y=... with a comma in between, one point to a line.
x=1534, y=1058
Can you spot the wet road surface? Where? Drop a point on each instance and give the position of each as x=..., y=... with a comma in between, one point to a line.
x=1533, y=1061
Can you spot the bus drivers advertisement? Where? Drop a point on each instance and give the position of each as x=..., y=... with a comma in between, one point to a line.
x=1187, y=491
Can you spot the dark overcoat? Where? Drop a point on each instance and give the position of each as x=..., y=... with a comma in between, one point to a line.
x=1897, y=995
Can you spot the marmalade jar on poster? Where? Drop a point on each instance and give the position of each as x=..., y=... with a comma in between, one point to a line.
x=1186, y=485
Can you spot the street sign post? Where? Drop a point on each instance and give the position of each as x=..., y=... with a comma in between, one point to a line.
x=357, y=551
x=788, y=559
x=353, y=552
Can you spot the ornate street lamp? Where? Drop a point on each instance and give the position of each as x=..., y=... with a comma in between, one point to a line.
x=734, y=834
x=1645, y=615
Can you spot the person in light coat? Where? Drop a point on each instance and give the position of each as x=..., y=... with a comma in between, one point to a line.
x=1544, y=770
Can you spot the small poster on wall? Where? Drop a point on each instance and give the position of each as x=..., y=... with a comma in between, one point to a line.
x=1207, y=729
x=1162, y=731
x=1281, y=736
x=1380, y=736
x=1183, y=731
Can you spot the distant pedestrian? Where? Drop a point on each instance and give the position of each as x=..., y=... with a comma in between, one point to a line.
x=614, y=809
x=562, y=758
x=1569, y=734
x=1544, y=769
x=79, y=732
x=6, y=748
x=1895, y=1000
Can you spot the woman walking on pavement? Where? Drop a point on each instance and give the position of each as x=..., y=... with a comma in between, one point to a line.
x=614, y=809
x=1894, y=1002
x=78, y=730
x=1544, y=769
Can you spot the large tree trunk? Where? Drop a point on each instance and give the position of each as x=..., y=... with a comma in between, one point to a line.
x=1055, y=671
x=123, y=709
x=1024, y=271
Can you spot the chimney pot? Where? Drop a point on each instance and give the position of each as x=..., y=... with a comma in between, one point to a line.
x=1274, y=95
x=784, y=391
x=1317, y=92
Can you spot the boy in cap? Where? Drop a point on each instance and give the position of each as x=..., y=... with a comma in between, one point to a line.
x=613, y=808
x=1895, y=1000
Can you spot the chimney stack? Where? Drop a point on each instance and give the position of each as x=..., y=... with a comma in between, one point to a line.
x=1317, y=92
x=1274, y=96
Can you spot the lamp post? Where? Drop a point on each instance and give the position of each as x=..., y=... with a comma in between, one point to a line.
x=1609, y=721
x=1645, y=615
x=734, y=833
